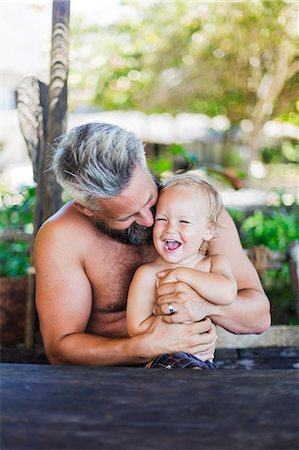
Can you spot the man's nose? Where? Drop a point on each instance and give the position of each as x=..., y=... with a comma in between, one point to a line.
x=146, y=218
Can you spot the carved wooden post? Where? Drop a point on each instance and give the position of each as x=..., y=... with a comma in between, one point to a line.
x=57, y=106
x=32, y=103
x=42, y=115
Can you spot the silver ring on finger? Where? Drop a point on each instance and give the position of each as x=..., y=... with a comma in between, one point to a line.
x=170, y=309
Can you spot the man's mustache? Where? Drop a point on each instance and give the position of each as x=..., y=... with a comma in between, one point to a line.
x=133, y=235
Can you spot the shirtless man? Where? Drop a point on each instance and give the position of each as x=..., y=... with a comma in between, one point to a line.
x=87, y=253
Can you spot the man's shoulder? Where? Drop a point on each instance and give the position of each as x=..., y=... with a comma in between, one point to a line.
x=67, y=223
x=226, y=235
x=65, y=213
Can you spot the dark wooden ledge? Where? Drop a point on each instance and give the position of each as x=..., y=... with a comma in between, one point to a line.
x=63, y=407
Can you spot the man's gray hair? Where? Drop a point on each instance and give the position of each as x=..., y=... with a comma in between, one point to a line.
x=97, y=160
x=211, y=195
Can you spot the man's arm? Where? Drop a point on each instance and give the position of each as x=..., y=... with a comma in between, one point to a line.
x=64, y=302
x=248, y=313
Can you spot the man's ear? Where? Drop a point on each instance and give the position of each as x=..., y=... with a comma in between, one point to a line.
x=82, y=209
x=209, y=233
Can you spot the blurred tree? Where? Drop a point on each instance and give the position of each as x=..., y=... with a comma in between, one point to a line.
x=239, y=59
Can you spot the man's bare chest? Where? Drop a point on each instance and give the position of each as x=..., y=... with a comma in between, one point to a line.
x=110, y=266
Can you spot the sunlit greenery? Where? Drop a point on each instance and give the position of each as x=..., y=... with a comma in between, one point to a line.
x=275, y=228
x=237, y=59
x=16, y=219
x=215, y=58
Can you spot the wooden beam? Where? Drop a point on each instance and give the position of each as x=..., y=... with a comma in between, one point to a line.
x=57, y=105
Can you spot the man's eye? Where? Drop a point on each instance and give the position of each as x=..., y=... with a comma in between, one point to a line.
x=124, y=220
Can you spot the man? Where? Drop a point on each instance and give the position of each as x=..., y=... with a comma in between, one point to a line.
x=87, y=253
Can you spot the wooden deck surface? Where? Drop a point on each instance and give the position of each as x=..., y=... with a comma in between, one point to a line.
x=69, y=407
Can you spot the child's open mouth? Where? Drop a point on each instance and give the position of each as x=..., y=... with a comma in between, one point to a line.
x=171, y=245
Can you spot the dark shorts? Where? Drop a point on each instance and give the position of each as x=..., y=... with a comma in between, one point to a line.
x=179, y=360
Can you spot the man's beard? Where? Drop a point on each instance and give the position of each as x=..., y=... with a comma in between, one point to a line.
x=134, y=235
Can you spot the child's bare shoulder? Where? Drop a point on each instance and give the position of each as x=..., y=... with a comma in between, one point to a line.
x=149, y=268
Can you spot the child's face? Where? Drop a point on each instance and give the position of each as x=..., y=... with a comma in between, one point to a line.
x=181, y=224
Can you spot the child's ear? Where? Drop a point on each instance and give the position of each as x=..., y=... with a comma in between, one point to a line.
x=82, y=209
x=209, y=233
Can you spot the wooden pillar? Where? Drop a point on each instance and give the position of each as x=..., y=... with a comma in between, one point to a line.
x=57, y=100
x=32, y=103
x=42, y=114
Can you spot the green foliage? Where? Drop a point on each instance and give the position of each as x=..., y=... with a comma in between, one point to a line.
x=277, y=285
x=206, y=57
x=288, y=152
x=291, y=117
x=170, y=159
x=271, y=155
x=16, y=218
x=14, y=258
x=159, y=165
x=175, y=158
x=275, y=228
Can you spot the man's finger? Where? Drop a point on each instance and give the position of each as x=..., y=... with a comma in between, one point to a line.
x=166, y=288
x=179, y=316
x=204, y=326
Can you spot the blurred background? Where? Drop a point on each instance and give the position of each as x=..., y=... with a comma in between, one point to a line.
x=208, y=86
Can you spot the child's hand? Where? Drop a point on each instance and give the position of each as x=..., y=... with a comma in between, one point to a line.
x=166, y=276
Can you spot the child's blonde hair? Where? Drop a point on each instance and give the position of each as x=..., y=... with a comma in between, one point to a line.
x=212, y=196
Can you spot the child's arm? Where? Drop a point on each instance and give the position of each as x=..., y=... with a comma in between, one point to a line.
x=141, y=301
x=217, y=286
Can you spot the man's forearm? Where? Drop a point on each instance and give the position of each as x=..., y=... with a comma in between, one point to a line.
x=249, y=313
x=87, y=349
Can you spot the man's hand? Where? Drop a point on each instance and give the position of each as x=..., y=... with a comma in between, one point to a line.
x=187, y=304
x=196, y=338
